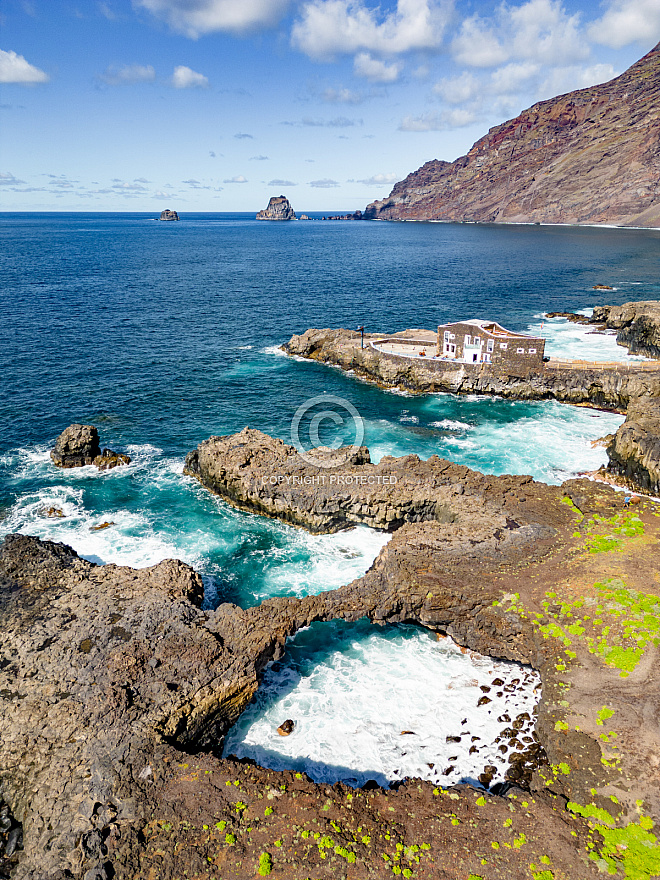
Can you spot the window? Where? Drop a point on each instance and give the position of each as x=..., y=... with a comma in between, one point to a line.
x=467, y=340
x=477, y=341
x=504, y=345
x=490, y=345
x=532, y=351
x=521, y=351
x=453, y=336
x=446, y=334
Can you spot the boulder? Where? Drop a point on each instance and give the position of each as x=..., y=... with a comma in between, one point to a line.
x=78, y=445
x=279, y=208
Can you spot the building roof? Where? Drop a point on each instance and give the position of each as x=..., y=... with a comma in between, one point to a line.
x=492, y=328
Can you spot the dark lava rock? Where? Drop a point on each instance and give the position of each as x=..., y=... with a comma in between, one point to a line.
x=168, y=215
x=279, y=208
x=76, y=446
x=286, y=727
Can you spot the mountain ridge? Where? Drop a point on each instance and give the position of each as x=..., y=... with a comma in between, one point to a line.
x=589, y=156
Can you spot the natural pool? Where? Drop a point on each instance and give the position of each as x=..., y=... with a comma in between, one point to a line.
x=387, y=702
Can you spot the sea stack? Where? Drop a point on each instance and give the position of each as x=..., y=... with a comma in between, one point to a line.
x=279, y=208
x=168, y=215
x=78, y=445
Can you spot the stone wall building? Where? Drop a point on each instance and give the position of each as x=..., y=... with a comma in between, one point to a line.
x=485, y=342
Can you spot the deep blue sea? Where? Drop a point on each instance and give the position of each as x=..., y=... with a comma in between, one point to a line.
x=162, y=334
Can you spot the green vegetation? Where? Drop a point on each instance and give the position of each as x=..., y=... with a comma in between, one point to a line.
x=265, y=864
x=631, y=848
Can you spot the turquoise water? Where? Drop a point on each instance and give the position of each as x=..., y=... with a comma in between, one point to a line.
x=163, y=334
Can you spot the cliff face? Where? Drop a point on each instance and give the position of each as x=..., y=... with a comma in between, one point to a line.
x=279, y=208
x=637, y=325
x=591, y=156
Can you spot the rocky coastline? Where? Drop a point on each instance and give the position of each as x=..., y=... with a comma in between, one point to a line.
x=607, y=386
x=119, y=687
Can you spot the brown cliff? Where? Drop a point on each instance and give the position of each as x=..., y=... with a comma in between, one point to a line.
x=590, y=156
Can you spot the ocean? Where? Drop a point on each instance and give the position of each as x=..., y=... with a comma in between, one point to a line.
x=162, y=334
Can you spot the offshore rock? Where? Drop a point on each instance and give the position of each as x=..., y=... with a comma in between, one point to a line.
x=637, y=325
x=278, y=208
x=590, y=156
x=78, y=445
x=168, y=215
x=634, y=452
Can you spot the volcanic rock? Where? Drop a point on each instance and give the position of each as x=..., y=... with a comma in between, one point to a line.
x=608, y=386
x=78, y=445
x=95, y=737
x=637, y=325
x=634, y=452
x=286, y=728
x=590, y=156
x=278, y=208
x=168, y=215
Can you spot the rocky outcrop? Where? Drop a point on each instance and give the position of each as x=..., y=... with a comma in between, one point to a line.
x=279, y=208
x=116, y=689
x=607, y=386
x=637, y=325
x=263, y=475
x=634, y=451
x=168, y=215
x=591, y=156
x=78, y=445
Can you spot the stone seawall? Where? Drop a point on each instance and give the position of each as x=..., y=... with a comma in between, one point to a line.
x=606, y=387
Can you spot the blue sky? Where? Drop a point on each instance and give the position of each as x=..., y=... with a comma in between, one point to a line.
x=215, y=105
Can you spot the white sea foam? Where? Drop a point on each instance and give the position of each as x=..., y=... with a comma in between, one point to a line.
x=276, y=350
x=565, y=339
x=330, y=561
x=451, y=425
x=350, y=707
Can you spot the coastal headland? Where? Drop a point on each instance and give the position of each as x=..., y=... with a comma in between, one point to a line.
x=120, y=686
x=632, y=388
x=589, y=156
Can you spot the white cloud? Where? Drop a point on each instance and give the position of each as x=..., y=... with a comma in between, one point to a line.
x=15, y=69
x=325, y=183
x=278, y=182
x=8, y=179
x=512, y=77
x=129, y=187
x=258, y=158
x=538, y=30
x=241, y=136
x=128, y=74
x=567, y=79
x=196, y=17
x=375, y=70
x=379, y=180
x=186, y=78
x=447, y=119
x=627, y=21
x=237, y=179
x=341, y=96
x=330, y=27
x=458, y=89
